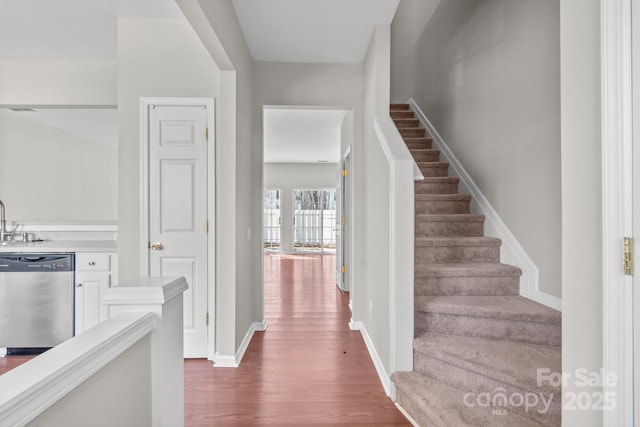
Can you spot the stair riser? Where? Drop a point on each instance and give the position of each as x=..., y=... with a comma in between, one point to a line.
x=442, y=206
x=436, y=187
x=476, y=383
x=484, y=327
x=420, y=145
x=412, y=132
x=406, y=123
x=434, y=171
x=429, y=156
x=402, y=114
x=457, y=254
x=449, y=228
x=466, y=285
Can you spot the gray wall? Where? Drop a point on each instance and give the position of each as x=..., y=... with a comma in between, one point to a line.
x=371, y=293
x=487, y=75
x=156, y=58
x=296, y=176
x=327, y=85
x=50, y=173
x=46, y=159
x=581, y=199
x=238, y=183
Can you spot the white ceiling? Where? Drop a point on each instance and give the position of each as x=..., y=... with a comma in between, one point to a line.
x=306, y=31
x=70, y=29
x=311, y=31
x=302, y=135
x=302, y=31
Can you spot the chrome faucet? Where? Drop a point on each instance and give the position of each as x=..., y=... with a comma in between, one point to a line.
x=4, y=234
x=3, y=223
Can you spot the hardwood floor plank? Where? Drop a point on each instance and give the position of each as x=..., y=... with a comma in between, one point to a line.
x=306, y=369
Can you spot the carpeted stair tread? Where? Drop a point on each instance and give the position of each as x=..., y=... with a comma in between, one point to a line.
x=439, y=179
x=450, y=217
x=509, y=362
x=434, y=403
x=457, y=241
x=470, y=269
x=424, y=139
x=424, y=151
x=443, y=197
x=437, y=185
x=401, y=114
x=397, y=106
x=432, y=164
x=506, y=307
x=406, y=122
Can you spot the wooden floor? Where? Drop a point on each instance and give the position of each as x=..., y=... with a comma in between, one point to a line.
x=307, y=369
x=8, y=363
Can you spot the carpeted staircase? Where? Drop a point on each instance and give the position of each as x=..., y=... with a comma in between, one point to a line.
x=478, y=344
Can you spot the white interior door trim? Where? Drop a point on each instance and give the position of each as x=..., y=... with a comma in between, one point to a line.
x=617, y=206
x=145, y=103
x=348, y=209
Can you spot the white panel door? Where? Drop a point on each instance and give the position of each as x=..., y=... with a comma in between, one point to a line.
x=178, y=219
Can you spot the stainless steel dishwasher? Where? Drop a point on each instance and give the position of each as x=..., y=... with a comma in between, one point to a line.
x=36, y=301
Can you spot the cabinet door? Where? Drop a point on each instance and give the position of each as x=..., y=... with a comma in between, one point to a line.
x=90, y=288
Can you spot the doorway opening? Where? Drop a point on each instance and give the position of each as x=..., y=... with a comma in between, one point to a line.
x=314, y=220
x=271, y=220
x=302, y=184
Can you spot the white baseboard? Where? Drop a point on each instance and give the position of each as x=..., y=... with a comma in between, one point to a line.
x=511, y=250
x=228, y=361
x=385, y=378
x=407, y=416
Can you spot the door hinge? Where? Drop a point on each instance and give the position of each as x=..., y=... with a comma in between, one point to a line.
x=627, y=256
x=344, y=221
x=345, y=172
x=207, y=318
x=206, y=133
x=343, y=269
x=206, y=225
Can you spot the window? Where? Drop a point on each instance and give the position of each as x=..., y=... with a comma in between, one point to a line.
x=271, y=219
x=314, y=220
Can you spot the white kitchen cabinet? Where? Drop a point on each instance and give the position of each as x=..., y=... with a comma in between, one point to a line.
x=95, y=273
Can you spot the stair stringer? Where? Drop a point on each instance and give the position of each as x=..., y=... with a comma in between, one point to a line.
x=511, y=251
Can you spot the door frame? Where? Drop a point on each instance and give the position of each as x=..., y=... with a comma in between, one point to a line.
x=617, y=205
x=209, y=103
x=346, y=232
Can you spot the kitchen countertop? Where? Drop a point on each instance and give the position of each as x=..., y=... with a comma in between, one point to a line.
x=61, y=246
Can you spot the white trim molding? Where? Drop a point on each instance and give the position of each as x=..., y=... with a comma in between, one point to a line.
x=511, y=251
x=226, y=361
x=617, y=206
x=402, y=174
x=385, y=378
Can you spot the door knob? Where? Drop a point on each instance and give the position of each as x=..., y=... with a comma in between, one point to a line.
x=156, y=246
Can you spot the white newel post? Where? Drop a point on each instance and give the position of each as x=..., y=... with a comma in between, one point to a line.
x=163, y=297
